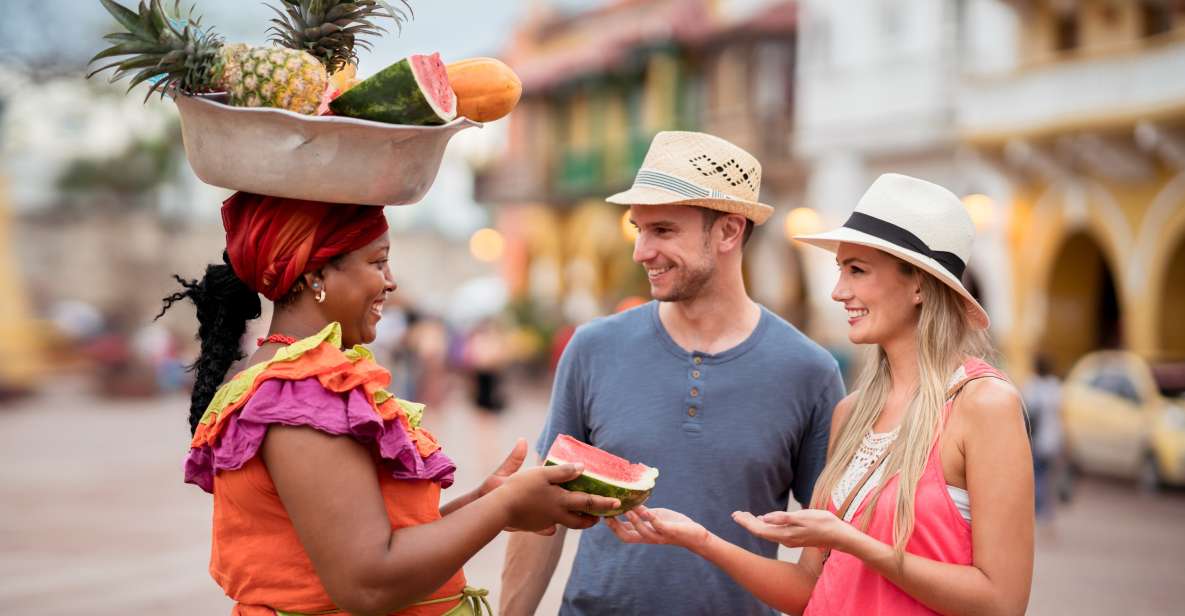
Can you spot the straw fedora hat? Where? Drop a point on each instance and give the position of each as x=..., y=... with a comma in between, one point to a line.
x=685, y=168
x=919, y=222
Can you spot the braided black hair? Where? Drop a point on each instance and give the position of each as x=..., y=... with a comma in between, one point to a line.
x=224, y=305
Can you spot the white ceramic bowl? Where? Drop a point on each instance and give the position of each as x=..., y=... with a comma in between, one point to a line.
x=320, y=158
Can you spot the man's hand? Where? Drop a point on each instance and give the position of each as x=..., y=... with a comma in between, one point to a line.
x=659, y=527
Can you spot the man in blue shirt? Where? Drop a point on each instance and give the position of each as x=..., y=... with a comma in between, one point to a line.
x=731, y=403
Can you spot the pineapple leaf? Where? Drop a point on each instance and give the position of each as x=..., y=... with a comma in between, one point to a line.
x=144, y=75
x=103, y=68
x=123, y=37
x=330, y=29
x=341, y=10
x=173, y=57
x=161, y=85
x=283, y=21
x=139, y=62
x=124, y=16
x=123, y=50
x=160, y=20
x=153, y=88
x=146, y=21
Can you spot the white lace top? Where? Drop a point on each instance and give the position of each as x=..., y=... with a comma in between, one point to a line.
x=871, y=448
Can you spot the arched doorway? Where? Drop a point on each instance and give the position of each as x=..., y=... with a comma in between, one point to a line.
x=1172, y=297
x=1083, y=311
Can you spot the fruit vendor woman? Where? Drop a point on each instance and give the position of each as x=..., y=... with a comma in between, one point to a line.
x=326, y=488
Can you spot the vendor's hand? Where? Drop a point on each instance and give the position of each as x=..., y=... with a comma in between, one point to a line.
x=806, y=528
x=537, y=503
x=509, y=466
x=658, y=527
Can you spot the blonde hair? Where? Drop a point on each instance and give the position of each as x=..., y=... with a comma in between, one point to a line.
x=945, y=338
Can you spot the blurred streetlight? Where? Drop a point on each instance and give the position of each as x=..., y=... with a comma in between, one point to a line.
x=627, y=228
x=802, y=221
x=982, y=210
x=486, y=245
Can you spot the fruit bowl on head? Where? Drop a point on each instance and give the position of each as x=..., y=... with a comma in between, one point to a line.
x=334, y=159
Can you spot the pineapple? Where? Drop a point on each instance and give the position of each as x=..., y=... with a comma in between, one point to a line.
x=196, y=61
x=329, y=29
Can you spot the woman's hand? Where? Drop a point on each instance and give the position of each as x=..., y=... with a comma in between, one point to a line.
x=659, y=527
x=536, y=503
x=814, y=528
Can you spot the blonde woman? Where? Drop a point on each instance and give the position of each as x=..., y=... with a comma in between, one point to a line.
x=925, y=504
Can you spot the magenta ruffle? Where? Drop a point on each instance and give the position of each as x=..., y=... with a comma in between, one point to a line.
x=307, y=403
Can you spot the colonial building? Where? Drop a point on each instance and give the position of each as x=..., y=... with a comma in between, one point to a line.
x=878, y=91
x=1088, y=127
x=1060, y=123
x=598, y=86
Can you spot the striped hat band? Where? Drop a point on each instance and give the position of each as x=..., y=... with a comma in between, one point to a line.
x=677, y=185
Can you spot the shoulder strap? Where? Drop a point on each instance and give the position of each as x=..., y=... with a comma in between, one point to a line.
x=974, y=369
x=850, y=500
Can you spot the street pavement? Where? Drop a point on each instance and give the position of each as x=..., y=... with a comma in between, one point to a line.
x=94, y=517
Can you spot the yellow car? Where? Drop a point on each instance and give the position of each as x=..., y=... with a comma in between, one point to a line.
x=1126, y=418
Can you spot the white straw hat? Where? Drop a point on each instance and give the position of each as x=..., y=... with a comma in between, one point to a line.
x=685, y=168
x=919, y=222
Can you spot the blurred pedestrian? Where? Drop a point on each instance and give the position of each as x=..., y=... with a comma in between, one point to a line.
x=1043, y=400
x=427, y=340
x=559, y=341
x=326, y=488
x=486, y=356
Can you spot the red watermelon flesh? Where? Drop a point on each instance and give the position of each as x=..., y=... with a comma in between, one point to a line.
x=432, y=76
x=604, y=473
x=414, y=91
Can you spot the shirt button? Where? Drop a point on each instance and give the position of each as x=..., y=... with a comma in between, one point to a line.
x=698, y=360
x=695, y=374
x=694, y=392
x=691, y=411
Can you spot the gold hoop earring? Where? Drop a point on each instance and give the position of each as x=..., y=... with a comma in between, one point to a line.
x=321, y=296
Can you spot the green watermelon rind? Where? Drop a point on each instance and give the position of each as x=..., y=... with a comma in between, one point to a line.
x=629, y=497
x=392, y=95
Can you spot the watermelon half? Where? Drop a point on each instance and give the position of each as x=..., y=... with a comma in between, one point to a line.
x=604, y=474
x=414, y=90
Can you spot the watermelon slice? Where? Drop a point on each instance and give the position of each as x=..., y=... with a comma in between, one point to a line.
x=604, y=474
x=414, y=90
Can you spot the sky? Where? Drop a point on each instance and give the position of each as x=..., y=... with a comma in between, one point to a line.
x=458, y=29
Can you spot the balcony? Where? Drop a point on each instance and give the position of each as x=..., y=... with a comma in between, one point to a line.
x=1092, y=91
x=511, y=181
x=581, y=173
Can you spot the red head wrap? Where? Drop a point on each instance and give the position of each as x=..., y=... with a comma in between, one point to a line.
x=271, y=241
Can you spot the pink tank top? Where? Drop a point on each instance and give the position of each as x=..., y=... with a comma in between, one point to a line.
x=847, y=586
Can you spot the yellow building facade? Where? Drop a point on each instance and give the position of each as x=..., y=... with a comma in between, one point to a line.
x=21, y=338
x=1090, y=130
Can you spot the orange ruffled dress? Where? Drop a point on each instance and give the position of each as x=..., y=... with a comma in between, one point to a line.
x=256, y=556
